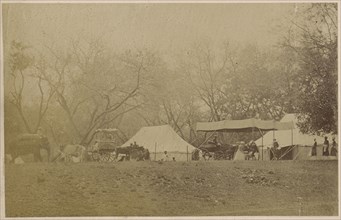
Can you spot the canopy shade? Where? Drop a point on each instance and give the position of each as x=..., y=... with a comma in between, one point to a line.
x=244, y=125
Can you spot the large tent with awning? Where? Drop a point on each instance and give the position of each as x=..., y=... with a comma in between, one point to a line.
x=246, y=125
x=158, y=139
x=294, y=144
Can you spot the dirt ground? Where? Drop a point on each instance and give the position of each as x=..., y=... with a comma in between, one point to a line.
x=212, y=188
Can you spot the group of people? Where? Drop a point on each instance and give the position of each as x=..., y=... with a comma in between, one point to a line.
x=166, y=157
x=325, y=149
x=133, y=151
x=250, y=150
x=214, y=141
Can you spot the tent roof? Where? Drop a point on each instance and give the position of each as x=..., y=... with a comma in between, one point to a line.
x=244, y=125
x=283, y=137
x=107, y=130
x=163, y=137
x=29, y=137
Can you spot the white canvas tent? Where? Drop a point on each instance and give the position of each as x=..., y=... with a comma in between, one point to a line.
x=158, y=139
x=294, y=137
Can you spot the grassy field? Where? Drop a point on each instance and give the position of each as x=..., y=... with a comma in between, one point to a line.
x=214, y=188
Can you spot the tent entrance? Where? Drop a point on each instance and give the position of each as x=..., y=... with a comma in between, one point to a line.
x=287, y=153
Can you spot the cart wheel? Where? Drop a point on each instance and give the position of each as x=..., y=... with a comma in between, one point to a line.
x=218, y=155
x=111, y=157
x=104, y=157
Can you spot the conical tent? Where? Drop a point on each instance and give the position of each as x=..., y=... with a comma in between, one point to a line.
x=292, y=137
x=158, y=139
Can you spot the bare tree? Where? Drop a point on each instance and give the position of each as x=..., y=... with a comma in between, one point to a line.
x=23, y=72
x=93, y=87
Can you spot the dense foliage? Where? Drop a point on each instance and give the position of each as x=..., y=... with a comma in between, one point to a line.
x=313, y=40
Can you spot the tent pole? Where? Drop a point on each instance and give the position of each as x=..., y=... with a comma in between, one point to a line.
x=206, y=139
x=155, y=152
x=287, y=151
x=262, y=146
x=261, y=133
x=187, y=153
x=292, y=137
x=298, y=152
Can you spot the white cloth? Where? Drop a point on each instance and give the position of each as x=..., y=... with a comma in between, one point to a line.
x=239, y=155
x=166, y=157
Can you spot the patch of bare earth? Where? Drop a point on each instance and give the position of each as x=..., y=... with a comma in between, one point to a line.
x=222, y=188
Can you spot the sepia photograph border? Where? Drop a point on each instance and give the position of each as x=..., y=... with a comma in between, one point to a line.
x=2, y=83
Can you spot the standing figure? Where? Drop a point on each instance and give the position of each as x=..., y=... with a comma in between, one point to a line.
x=254, y=150
x=241, y=154
x=325, y=151
x=333, y=149
x=313, y=149
x=275, y=144
x=276, y=150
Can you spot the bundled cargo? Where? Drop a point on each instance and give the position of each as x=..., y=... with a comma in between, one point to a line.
x=29, y=144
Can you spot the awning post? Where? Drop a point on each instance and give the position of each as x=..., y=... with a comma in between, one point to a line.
x=187, y=153
x=262, y=146
x=155, y=152
x=292, y=137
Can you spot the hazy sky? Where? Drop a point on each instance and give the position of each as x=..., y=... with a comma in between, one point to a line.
x=165, y=27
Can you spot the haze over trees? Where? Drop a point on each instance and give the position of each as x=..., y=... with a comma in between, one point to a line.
x=87, y=85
